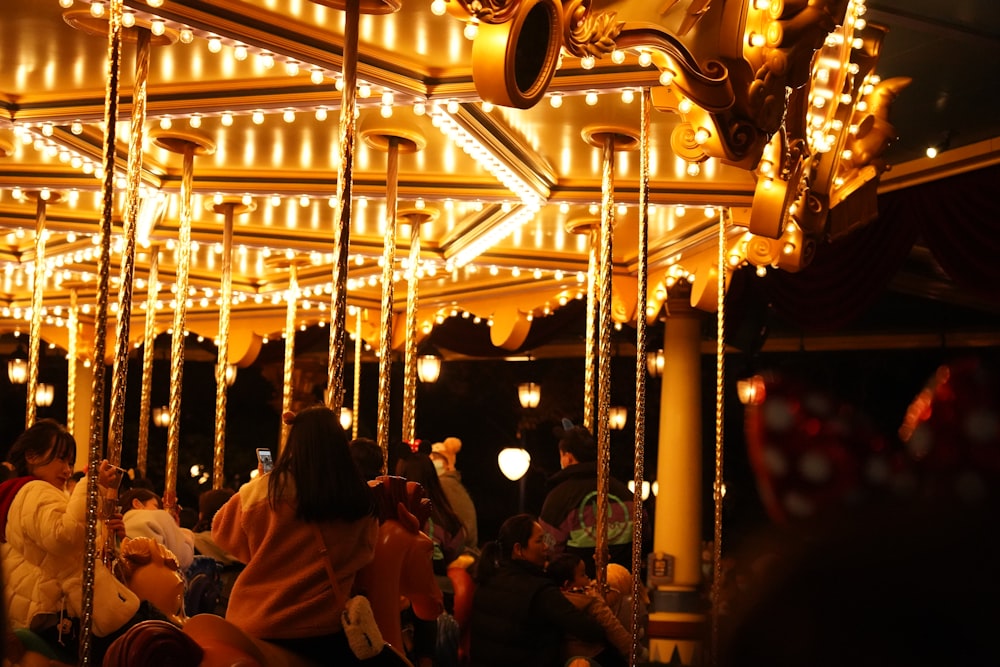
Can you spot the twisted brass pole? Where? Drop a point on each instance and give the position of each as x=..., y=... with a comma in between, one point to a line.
x=72, y=349
x=222, y=362
x=115, y=11
x=342, y=230
x=385, y=333
x=604, y=358
x=590, y=351
x=148, y=343
x=177, y=334
x=356, y=403
x=37, y=289
x=127, y=272
x=645, y=103
x=289, y=369
x=410, y=364
x=720, y=406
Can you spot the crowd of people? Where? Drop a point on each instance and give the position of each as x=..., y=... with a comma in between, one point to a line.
x=293, y=541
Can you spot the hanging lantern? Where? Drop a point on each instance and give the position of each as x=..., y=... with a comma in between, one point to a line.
x=17, y=365
x=44, y=393
x=529, y=393
x=428, y=367
x=514, y=462
x=161, y=416
x=617, y=416
x=654, y=363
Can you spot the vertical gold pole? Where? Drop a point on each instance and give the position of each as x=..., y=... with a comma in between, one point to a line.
x=342, y=231
x=37, y=288
x=720, y=406
x=645, y=103
x=385, y=333
x=127, y=273
x=148, y=345
x=222, y=363
x=358, y=345
x=101, y=320
x=72, y=345
x=177, y=336
x=286, y=395
x=590, y=356
x=604, y=358
x=410, y=364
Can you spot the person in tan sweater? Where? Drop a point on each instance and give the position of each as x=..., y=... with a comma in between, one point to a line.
x=569, y=572
x=312, y=512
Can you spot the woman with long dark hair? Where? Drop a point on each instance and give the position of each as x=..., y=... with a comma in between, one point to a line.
x=303, y=530
x=519, y=615
x=444, y=526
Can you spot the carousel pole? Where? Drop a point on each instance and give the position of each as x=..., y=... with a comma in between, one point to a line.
x=393, y=141
x=136, y=137
x=148, y=343
x=228, y=207
x=187, y=144
x=385, y=330
x=291, y=299
x=72, y=347
x=590, y=356
x=415, y=219
x=42, y=198
x=604, y=359
x=645, y=103
x=115, y=30
x=608, y=139
x=342, y=230
x=358, y=345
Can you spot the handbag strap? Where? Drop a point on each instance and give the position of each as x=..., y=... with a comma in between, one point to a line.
x=325, y=553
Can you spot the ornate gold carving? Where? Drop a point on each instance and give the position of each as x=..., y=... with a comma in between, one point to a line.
x=585, y=33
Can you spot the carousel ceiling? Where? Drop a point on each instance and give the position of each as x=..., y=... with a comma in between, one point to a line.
x=507, y=197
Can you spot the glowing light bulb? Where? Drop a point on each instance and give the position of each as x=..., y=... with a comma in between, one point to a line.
x=587, y=62
x=321, y=114
x=275, y=200
x=65, y=4
x=452, y=106
x=166, y=123
x=385, y=110
x=556, y=100
x=288, y=115
x=685, y=105
x=240, y=52
x=304, y=201
x=365, y=90
x=666, y=77
x=590, y=98
x=419, y=108
x=931, y=152
x=157, y=27
x=439, y=7
x=693, y=169
x=186, y=35
x=195, y=120
x=257, y=117
x=316, y=75
x=97, y=9
x=227, y=118
x=128, y=19
x=292, y=68
x=486, y=106
x=154, y=3
x=701, y=135
x=471, y=29
x=628, y=96
x=645, y=59
x=617, y=56
x=214, y=44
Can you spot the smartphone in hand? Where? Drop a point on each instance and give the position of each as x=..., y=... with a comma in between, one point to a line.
x=266, y=461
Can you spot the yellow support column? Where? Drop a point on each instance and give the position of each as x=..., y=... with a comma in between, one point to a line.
x=677, y=618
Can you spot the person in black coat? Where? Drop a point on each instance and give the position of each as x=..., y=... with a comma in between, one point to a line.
x=519, y=615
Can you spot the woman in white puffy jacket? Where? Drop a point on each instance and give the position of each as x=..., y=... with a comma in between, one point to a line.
x=43, y=534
